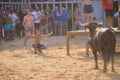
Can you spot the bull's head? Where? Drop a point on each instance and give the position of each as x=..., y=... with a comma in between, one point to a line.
x=92, y=27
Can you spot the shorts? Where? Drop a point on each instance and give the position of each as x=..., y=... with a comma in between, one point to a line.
x=37, y=26
x=29, y=29
x=13, y=27
x=88, y=8
x=109, y=12
x=7, y=27
x=39, y=46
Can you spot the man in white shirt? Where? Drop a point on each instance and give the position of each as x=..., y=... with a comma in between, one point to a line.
x=36, y=14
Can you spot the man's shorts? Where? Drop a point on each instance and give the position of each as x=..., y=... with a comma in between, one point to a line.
x=39, y=46
x=109, y=12
x=29, y=29
x=7, y=27
x=88, y=8
x=37, y=26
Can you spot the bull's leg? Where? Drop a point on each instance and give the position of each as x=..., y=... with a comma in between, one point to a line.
x=35, y=50
x=105, y=59
x=96, y=59
x=105, y=66
x=112, y=62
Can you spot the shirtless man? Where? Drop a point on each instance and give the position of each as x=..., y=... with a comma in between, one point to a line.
x=88, y=10
x=37, y=38
x=28, y=23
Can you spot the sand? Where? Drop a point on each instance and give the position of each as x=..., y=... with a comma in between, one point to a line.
x=17, y=63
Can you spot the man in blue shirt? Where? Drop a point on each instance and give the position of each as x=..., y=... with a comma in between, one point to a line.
x=57, y=15
x=63, y=23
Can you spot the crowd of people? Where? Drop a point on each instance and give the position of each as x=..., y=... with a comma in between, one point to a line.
x=47, y=20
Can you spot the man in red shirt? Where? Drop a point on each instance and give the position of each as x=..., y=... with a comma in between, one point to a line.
x=108, y=8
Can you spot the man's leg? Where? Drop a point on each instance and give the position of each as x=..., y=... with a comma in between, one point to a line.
x=89, y=17
x=109, y=22
x=25, y=39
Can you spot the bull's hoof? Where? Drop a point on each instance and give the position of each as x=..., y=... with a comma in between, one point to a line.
x=104, y=71
x=96, y=68
x=35, y=52
x=113, y=70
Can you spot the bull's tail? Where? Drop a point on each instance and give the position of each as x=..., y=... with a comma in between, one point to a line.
x=109, y=45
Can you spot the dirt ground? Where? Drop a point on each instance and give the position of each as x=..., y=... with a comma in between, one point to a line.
x=17, y=63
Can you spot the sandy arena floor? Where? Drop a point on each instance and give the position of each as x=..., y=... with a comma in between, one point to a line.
x=17, y=63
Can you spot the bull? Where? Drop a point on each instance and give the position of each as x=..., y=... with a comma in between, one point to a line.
x=103, y=41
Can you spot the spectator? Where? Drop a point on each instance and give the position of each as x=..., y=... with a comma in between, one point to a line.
x=63, y=19
x=1, y=27
x=20, y=26
x=57, y=15
x=88, y=10
x=8, y=28
x=50, y=20
x=70, y=20
x=14, y=19
x=36, y=14
x=76, y=18
x=44, y=23
x=108, y=8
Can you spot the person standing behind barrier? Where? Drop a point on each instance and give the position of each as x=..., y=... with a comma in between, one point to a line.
x=50, y=20
x=88, y=10
x=36, y=14
x=28, y=23
x=108, y=8
x=76, y=19
x=7, y=28
x=70, y=20
x=57, y=15
x=14, y=19
x=44, y=23
x=1, y=27
x=63, y=21
x=21, y=27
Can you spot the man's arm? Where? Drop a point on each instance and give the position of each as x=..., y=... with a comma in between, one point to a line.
x=45, y=36
x=84, y=24
x=24, y=21
x=33, y=36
